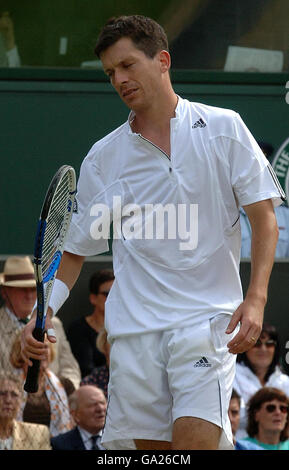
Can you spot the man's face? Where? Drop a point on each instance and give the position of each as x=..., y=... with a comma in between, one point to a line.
x=90, y=414
x=10, y=398
x=136, y=77
x=234, y=414
x=20, y=300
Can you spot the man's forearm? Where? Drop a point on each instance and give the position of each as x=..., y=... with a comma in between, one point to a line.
x=67, y=275
x=70, y=268
x=264, y=241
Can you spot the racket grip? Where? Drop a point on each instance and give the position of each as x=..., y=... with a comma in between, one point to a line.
x=31, y=383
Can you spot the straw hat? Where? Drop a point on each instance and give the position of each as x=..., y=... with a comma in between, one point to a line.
x=18, y=272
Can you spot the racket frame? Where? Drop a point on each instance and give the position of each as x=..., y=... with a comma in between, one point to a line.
x=44, y=283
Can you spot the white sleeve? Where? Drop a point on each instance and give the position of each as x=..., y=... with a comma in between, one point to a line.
x=252, y=176
x=89, y=186
x=99, y=198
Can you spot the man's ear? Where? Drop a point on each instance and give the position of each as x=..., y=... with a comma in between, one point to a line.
x=74, y=416
x=165, y=61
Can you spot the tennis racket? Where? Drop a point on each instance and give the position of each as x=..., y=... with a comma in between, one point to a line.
x=50, y=236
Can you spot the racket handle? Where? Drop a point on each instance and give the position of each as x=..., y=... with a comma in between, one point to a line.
x=31, y=383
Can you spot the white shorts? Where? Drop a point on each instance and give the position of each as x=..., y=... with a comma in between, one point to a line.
x=158, y=377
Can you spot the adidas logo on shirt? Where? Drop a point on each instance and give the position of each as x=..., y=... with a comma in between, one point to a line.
x=199, y=123
x=203, y=362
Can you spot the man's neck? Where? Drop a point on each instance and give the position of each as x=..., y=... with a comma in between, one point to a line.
x=154, y=124
x=92, y=431
x=157, y=116
x=13, y=315
x=10, y=312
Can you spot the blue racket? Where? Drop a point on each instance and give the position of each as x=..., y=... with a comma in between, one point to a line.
x=50, y=236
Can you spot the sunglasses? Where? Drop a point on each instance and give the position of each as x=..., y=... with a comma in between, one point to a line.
x=272, y=408
x=270, y=343
x=105, y=293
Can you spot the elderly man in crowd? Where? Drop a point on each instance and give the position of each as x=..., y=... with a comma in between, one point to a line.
x=18, y=292
x=88, y=408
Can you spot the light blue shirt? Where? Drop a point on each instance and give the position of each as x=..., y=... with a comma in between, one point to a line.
x=86, y=437
x=244, y=444
x=284, y=445
x=282, y=249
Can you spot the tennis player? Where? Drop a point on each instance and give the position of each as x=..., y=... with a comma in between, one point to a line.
x=175, y=316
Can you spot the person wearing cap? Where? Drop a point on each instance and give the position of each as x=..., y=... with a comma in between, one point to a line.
x=18, y=293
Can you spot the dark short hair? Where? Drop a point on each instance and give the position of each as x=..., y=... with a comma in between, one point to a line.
x=236, y=395
x=147, y=35
x=99, y=278
x=264, y=395
x=271, y=331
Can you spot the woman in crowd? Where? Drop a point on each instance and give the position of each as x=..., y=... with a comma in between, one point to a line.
x=259, y=367
x=16, y=435
x=49, y=405
x=100, y=375
x=268, y=419
x=82, y=333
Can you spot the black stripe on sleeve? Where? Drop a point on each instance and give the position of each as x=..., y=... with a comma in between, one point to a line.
x=276, y=181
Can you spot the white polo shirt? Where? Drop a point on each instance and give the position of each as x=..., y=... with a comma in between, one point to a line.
x=215, y=167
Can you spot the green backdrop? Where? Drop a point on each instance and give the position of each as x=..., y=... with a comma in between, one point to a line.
x=49, y=118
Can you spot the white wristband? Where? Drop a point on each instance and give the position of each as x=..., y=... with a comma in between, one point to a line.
x=59, y=294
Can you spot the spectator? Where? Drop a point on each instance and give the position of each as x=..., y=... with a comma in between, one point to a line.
x=257, y=368
x=82, y=333
x=9, y=56
x=282, y=216
x=268, y=419
x=100, y=375
x=88, y=408
x=15, y=435
x=234, y=416
x=18, y=291
x=49, y=405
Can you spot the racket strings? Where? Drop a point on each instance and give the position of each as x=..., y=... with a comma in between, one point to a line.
x=54, y=234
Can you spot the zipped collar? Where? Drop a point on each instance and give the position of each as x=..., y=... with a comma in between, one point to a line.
x=178, y=112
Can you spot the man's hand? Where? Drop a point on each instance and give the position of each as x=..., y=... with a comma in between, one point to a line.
x=251, y=312
x=68, y=271
x=250, y=315
x=30, y=347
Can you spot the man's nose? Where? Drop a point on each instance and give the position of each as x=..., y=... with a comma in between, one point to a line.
x=120, y=77
x=30, y=293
